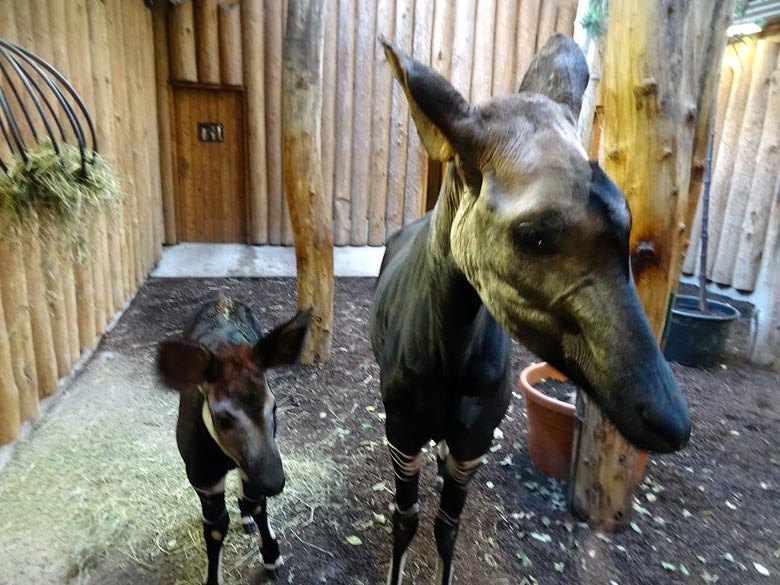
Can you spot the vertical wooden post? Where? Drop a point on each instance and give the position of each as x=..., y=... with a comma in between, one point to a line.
x=762, y=192
x=10, y=420
x=207, y=40
x=417, y=157
x=766, y=347
x=301, y=121
x=361, y=132
x=380, y=126
x=656, y=83
x=273, y=71
x=253, y=45
x=399, y=126
x=230, y=61
x=328, y=136
x=163, y=74
x=184, y=62
x=13, y=290
x=484, y=37
x=504, y=49
x=527, y=26
x=345, y=83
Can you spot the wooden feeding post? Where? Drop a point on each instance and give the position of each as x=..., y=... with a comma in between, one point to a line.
x=302, y=169
x=661, y=72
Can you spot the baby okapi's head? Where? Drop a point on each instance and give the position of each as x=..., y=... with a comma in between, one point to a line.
x=239, y=409
x=542, y=234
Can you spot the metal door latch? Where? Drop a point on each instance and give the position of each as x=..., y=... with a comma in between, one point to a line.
x=210, y=132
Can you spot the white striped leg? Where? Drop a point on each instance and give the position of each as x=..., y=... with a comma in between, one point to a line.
x=406, y=514
x=458, y=474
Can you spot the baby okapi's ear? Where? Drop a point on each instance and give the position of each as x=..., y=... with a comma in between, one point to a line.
x=182, y=364
x=283, y=345
x=559, y=71
x=441, y=115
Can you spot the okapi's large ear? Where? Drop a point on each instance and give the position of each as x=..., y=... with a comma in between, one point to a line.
x=283, y=345
x=182, y=364
x=440, y=113
x=560, y=72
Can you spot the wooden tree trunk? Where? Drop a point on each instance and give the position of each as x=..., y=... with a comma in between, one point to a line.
x=302, y=165
x=655, y=82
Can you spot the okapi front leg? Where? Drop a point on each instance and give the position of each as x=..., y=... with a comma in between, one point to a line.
x=406, y=514
x=457, y=476
x=215, y=527
x=253, y=504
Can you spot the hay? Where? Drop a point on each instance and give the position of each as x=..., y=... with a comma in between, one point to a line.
x=101, y=484
x=53, y=190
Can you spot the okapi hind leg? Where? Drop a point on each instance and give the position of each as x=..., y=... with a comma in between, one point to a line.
x=406, y=515
x=215, y=527
x=254, y=503
x=457, y=476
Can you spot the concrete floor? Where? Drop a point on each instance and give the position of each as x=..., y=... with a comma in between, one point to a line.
x=238, y=260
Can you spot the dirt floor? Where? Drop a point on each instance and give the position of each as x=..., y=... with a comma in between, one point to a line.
x=97, y=494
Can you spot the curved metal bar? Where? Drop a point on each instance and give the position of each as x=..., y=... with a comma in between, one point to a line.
x=5, y=132
x=12, y=126
x=18, y=100
x=25, y=77
x=69, y=111
x=48, y=106
x=73, y=93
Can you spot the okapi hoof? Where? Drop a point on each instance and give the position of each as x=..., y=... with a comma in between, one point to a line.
x=275, y=571
x=249, y=524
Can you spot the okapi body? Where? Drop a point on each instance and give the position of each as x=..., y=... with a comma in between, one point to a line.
x=529, y=239
x=227, y=416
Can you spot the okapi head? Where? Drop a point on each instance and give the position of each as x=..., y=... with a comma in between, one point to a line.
x=542, y=235
x=239, y=409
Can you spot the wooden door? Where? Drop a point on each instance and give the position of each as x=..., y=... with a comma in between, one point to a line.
x=210, y=164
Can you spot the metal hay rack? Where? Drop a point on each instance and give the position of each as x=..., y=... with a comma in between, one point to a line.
x=37, y=102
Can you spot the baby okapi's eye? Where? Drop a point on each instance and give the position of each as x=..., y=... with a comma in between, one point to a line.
x=533, y=240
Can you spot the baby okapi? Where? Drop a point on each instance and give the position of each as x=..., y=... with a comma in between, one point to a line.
x=227, y=416
x=527, y=237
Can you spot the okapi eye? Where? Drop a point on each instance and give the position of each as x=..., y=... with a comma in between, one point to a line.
x=224, y=420
x=534, y=240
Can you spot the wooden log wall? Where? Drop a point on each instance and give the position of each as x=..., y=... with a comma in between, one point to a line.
x=746, y=165
x=53, y=308
x=375, y=172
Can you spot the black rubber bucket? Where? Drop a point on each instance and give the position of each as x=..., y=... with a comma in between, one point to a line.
x=696, y=339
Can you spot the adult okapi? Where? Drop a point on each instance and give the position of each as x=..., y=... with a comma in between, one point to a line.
x=527, y=237
x=227, y=416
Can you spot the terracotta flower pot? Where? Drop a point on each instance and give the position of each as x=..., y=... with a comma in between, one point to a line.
x=551, y=425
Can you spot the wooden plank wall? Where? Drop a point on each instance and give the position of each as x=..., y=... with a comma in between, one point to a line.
x=53, y=308
x=375, y=171
x=746, y=166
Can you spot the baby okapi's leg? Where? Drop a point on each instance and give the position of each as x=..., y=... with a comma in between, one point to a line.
x=457, y=476
x=253, y=503
x=406, y=515
x=215, y=527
